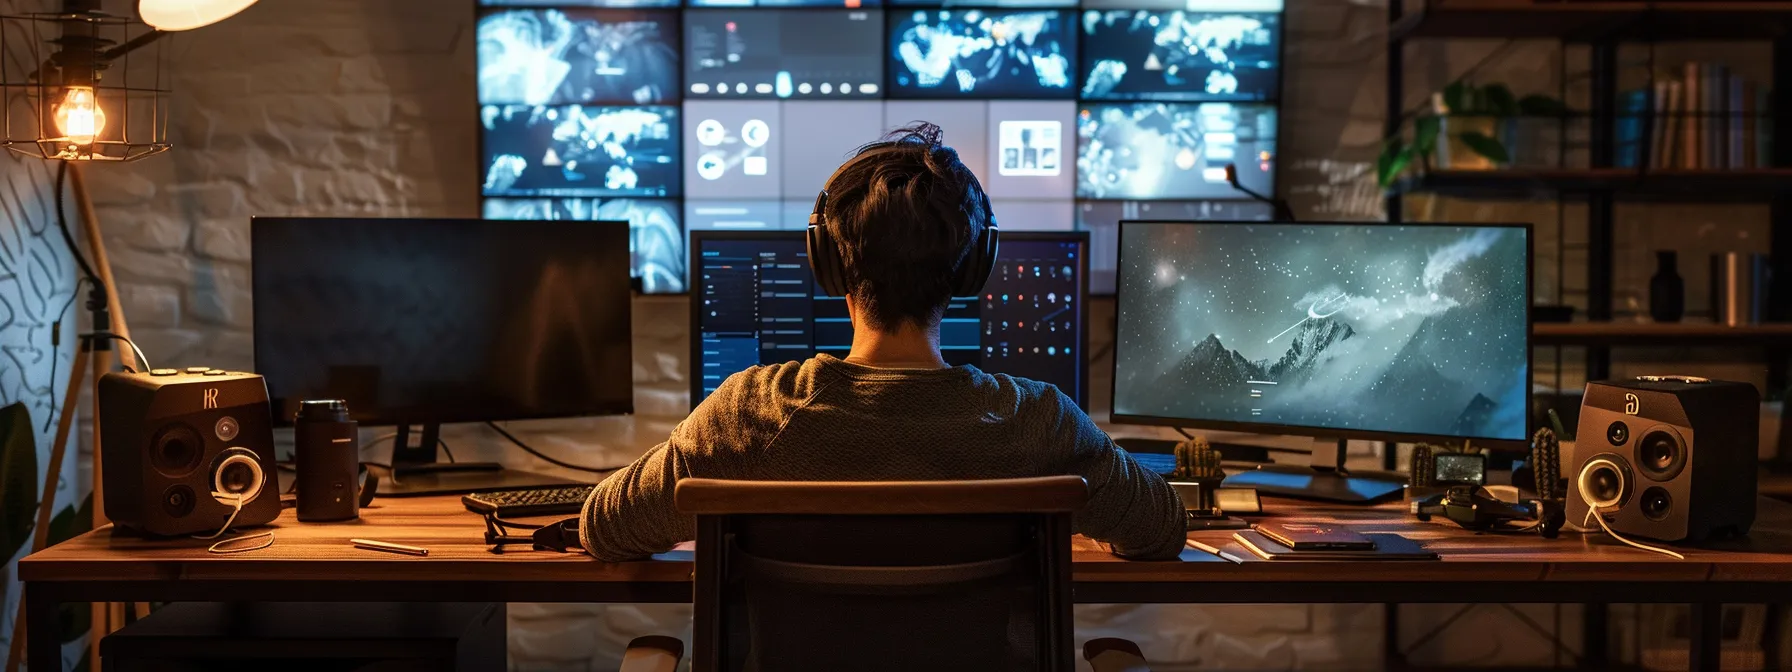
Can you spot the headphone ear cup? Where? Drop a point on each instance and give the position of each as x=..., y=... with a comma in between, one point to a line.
x=974, y=274
x=824, y=261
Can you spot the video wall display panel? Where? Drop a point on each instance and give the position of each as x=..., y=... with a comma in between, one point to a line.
x=982, y=53
x=1178, y=55
x=682, y=115
x=561, y=56
x=783, y=53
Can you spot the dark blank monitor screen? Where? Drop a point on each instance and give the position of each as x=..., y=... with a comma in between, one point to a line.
x=756, y=303
x=558, y=56
x=580, y=151
x=982, y=53
x=1176, y=55
x=418, y=321
x=1150, y=151
x=656, y=240
x=783, y=53
x=1386, y=330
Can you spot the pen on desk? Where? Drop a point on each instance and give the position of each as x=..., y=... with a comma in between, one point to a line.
x=389, y=547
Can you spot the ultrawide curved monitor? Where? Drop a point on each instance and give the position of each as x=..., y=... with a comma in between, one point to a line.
x=1351, y=330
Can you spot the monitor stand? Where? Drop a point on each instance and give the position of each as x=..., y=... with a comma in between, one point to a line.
x=416, y=472
x=1325, y=480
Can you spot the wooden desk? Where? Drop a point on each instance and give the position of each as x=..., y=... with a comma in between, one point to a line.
x=314, y=562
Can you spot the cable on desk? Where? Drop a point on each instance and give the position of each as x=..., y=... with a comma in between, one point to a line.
x=551, y=460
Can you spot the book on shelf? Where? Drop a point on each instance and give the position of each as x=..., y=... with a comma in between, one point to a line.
x=1707, y=118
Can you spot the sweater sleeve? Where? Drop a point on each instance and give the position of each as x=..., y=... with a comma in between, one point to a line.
x=633, y=513
x=1130, y=507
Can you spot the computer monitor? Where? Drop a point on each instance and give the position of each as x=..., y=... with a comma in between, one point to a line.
x=1140, y=54
x=573, y=55
x=756, y=52
x=755, y=302
x=430, y=321
x=982, y=53
x=1173, y=151
x=1337, y=330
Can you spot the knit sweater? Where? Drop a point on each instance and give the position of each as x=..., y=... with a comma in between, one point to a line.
x=825, y=419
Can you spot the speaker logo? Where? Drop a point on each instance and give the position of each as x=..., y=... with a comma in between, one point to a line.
x=1632, y=405
x=211, y=398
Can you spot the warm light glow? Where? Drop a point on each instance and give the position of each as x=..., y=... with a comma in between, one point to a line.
x=173, y=15
x=79, y=116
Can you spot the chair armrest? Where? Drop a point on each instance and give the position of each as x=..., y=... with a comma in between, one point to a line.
x=654, y=653
x=1112, y=654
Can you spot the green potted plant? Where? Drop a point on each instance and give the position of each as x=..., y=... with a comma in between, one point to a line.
x=1467, y=127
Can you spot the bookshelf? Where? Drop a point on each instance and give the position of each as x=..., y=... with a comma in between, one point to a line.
x=1601, y=25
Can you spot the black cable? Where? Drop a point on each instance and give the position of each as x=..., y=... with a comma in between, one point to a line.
x=519, y=443
x=446, y=450
x=1185, y=434
x=62, y=223
x=55, y=343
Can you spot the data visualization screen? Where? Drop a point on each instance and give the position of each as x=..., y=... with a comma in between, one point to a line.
x=979, y=53
x=580, y=151
x=1142, y=151
x=1176, y=55
x=560, y=56
x=755, y=302
x=783, y=53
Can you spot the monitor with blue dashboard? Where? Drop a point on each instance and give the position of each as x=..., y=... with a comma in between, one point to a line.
x=755, y=302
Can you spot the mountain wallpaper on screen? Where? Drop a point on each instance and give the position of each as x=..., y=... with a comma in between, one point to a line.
x=1405, y=329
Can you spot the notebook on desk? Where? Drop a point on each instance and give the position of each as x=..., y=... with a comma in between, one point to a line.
x=1388, y=546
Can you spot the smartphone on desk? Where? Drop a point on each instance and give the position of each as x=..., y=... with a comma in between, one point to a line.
x=1302, y=536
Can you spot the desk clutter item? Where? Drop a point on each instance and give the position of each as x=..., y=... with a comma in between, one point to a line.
x=1388, y=546
x=326, y=455
x=1197, y=481
x=554, y=501
x=1666, y=457
x=311, y=636
x=186, y=451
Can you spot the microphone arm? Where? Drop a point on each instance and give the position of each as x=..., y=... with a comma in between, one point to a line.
x=1282, y=211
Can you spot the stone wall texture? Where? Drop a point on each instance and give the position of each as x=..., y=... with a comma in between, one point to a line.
x=366, y=108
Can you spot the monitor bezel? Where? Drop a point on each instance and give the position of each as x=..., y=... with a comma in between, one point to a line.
x=386, y=419
x=1322, y=432
x=695, y=245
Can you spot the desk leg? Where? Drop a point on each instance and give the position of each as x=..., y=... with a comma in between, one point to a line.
x=1595, y=630
x=1706, y=637
x=43, y=632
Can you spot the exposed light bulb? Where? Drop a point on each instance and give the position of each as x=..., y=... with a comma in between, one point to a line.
x=79, y=116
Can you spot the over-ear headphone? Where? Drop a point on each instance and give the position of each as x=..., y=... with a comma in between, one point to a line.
x=830, y=269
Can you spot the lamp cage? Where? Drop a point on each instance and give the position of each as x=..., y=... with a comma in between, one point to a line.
x=82, y=85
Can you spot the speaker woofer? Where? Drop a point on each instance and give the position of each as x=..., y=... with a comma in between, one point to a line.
x=1605, y=482
x=1657, y=503
x=1661, y=454
x=176, y=450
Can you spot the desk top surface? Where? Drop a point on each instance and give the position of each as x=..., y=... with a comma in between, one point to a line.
x=457, y=552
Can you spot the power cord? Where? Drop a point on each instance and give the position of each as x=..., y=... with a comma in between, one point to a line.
x=236, y=503
x=550, y=459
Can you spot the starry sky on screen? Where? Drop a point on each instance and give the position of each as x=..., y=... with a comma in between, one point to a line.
x=1404, y=329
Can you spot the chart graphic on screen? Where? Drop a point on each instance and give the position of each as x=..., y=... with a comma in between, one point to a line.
x=982, y=53
x=580, y=151
x=783, y=53
x=1134, y=151
x=1176, y=55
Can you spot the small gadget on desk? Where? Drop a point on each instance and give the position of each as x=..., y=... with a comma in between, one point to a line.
x=327, y=462
x=414, y=323
x=1309, y=536
x=1197, y=480
x=1384, y=546
x=1278, y=329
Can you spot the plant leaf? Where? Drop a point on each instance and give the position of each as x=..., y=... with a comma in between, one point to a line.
x=1424, y=135
x=1500, y=101
x=1539, y=105
x=1394, y=159
x=18, y=479
x=1456, y=97
x=1486, y=146
x=72, y=522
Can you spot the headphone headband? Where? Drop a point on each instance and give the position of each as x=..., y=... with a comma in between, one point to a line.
x=829, y=268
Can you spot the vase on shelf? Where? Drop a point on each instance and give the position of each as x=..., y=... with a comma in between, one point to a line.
x=1667, y=292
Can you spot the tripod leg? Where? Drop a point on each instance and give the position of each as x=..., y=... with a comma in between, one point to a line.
x=102, y=614
x=90, y=226
x=46, y=510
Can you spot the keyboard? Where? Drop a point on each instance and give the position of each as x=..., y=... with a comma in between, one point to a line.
x=543, y=501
